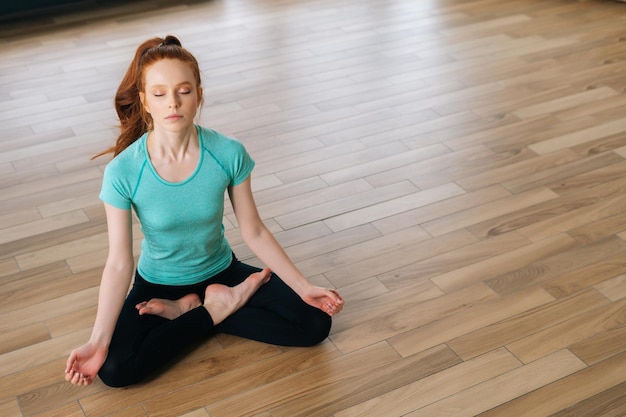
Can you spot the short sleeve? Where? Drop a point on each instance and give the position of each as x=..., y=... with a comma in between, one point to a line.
x=114, y=191
x=229, y=153
x=244, y=164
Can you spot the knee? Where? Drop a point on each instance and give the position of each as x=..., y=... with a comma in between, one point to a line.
x=115, y=375
x=318, y=329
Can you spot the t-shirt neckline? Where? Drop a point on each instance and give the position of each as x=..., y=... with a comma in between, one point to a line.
x=163, y=180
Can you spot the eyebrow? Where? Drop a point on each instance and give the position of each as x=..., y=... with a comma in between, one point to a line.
x=184, y=83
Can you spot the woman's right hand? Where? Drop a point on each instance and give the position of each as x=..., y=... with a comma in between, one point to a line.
x=84, y=363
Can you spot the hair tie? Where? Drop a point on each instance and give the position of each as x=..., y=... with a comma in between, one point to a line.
x=170, y=40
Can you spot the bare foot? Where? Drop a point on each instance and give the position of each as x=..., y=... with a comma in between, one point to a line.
x=169, y=309
x=221, y=301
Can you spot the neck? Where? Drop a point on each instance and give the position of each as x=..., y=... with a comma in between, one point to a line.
x=173, y=146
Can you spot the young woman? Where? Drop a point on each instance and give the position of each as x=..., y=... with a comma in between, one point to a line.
x=188, y=283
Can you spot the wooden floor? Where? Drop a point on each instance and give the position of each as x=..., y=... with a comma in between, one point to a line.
x=457, y=169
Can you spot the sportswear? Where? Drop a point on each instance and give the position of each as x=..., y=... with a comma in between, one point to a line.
x=184, y=240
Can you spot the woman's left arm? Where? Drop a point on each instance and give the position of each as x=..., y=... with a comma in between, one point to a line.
x=262, y=242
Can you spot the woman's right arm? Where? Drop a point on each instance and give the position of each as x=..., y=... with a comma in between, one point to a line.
x=85, y=361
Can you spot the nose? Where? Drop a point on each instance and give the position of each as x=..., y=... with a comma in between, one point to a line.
x=174, y=104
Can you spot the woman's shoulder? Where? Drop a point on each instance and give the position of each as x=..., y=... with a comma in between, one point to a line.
x=130, y=159
x=212, y=139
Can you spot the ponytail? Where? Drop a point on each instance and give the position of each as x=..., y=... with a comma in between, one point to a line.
x=134, y=119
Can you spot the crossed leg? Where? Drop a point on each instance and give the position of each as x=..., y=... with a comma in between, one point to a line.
x=220, y=300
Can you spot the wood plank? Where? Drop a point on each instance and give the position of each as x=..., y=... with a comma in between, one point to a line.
x=431, y=166
x=201, y=412
x=516, y=170
x=342, y=205
x=590, y=179
x=454, y=259
x=463, y=169
x=43, y=375
x=588, y=276
x=527, y=378
x=393, y=206
x=614, y=288
x=373, y=263
x=22, y=337
x=484, y=212
x=36, y=227
x=577, y=138
x=502, y=263
x=9, y=407
x=47, y=309
x=552, y=174
x=332, y=397
x=411, y=317
x=138, y=411
x=343, y=368
x=554, y=266
x=342, y=255
x=382, y=164
x=570, y=331
x=358, y=312
x=610, y=403
x=524, y=324
x=8, y=267
x=565, y=102
x=566, y=392
x=531, y=215
x=204, y=359
x=599, y=229
x=312, y=365
x=68, y=410
x=435, y=210
x=600, y=346
x=436, y=387
x=40, y=353
x=467, y=319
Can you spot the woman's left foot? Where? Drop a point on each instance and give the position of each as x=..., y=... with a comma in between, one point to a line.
x=169, y=309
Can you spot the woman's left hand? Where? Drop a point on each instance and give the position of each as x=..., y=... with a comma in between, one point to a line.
x=327, y=300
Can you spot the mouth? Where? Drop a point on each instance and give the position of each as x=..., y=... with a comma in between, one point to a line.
x=174, y=117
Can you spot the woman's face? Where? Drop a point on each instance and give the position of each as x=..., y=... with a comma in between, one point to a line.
x=171, y=95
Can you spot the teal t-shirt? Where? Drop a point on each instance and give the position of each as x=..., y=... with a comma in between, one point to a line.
x=182, y=222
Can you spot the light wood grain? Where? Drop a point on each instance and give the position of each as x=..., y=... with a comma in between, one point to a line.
x=566, y=392
x=456, y=169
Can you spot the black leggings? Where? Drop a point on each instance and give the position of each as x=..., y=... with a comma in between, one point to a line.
x=141, y=344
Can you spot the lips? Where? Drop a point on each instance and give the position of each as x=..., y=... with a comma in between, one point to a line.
x=174, y=117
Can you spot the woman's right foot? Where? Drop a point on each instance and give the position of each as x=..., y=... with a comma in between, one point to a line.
x=221, y=301
x=169, y=309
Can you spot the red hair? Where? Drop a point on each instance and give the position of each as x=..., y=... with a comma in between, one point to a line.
x=134, y=120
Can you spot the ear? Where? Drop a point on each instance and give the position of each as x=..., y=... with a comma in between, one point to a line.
x=142, y=97
x=200, y=96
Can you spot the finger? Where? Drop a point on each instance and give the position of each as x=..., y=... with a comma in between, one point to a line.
x=75, y=379
x=69, y=376
x=336, y=308
x=338, y=298
x=85, y=380
x=330, y=310
x=70, y=362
